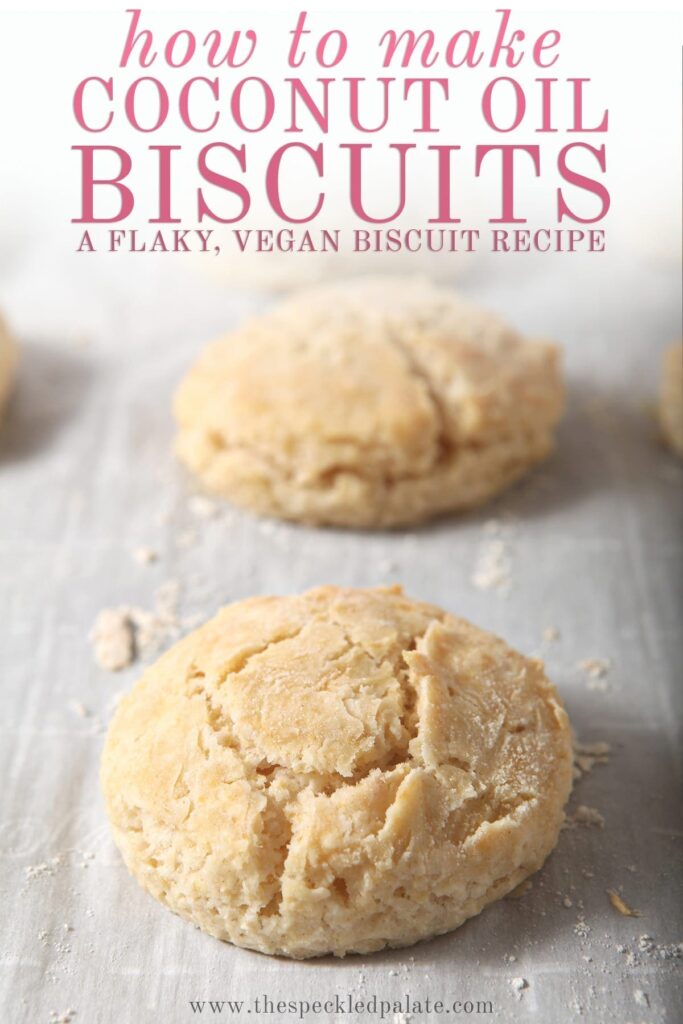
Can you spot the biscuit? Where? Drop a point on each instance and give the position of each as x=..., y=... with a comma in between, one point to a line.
x=372, y=403
x=8, y=361
x=336, y=772
x=671, y=397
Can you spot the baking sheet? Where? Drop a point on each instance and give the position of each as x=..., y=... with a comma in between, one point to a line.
x=589, y=546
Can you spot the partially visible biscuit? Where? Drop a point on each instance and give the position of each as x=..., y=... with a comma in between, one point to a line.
x=370, y=403
x=8, y=361
x=671, y=397
x=336, y=772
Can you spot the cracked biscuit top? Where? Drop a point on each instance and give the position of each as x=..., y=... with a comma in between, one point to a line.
x=368, y=403
x=337, y=771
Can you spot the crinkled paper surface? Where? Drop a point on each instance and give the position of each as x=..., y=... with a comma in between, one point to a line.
x=580, y=563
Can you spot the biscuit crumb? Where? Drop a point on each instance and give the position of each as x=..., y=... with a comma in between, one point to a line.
x=596, y=671
x=62, y=1018
x=121, y=635
x=493, y=570
x=551, y=634
x=641, y=998
x=619, y=904
x=647, y=945
x=79, y=708
x=587, y=755
x=155, y=628
x=145, y=556
x=595, y=667
x=587, y=816
x=48, y=867
x=518, y=986
x=112, y=639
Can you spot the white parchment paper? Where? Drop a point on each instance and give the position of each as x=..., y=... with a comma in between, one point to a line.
x=589, y=546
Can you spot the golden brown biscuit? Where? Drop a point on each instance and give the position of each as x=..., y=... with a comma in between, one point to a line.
x=671, y=397
x=336, y=772
x=8, y=361
x=370, y=403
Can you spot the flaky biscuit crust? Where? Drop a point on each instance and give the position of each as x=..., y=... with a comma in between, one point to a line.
x=368, y=404
x=336, y=772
